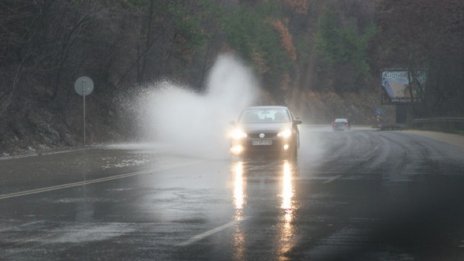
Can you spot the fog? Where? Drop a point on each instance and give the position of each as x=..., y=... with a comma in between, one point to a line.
x=194, y=123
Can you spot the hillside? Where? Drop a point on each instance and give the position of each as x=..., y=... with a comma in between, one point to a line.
x=327, y=53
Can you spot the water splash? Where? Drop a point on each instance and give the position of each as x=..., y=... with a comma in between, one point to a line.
x=196, y=123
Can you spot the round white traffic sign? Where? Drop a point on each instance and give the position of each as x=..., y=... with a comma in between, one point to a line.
x=83, y=86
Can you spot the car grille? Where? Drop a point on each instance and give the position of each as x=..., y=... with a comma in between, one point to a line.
x=267, y=135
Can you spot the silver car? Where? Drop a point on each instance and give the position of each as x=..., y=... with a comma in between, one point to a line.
x=265, y=129
x=341, y=124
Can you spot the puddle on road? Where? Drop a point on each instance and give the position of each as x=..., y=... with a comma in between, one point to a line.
x=88, y=232
x=115, y=163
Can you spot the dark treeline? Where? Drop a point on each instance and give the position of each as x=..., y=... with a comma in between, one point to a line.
x=426, y=35
x=293, y=46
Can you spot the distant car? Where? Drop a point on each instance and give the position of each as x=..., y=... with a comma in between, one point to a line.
x=262, y=129
x=341, y=124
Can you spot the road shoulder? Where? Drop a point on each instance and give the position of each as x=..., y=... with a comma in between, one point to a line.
x=453, y=139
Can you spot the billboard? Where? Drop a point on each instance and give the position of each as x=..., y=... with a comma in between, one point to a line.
x=402, y=86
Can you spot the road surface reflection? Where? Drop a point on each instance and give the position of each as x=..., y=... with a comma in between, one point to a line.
x=239, y=202
x=283, y=172
x=239, y=186
x=286, y=229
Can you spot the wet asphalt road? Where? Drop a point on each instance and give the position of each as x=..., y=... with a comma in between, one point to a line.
x=354, y=195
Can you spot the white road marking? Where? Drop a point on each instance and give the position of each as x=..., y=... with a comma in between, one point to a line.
x=332, y=179
x=4, y=229
x=210, y=232
x=88, y=182
x=35, y=153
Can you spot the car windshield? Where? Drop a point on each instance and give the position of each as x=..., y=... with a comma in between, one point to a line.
x=265, y=116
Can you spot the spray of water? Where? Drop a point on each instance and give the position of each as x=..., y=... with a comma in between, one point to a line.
x=196, y=123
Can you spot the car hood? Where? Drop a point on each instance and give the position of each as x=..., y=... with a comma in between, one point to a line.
x=265, y=127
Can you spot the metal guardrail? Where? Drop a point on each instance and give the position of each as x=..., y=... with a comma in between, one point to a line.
x=448, y=124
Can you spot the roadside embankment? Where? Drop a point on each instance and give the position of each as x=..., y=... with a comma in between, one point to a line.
x=454, y=139
x=441, y=124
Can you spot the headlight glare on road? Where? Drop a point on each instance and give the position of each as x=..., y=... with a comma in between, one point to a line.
x=237, y=134
x=236, y=150
x=285, y=134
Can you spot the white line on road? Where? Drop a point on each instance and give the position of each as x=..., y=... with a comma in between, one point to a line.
x=35, y=154
x=87, y=182
x=4, y=229
x=332, y=179
x=210, y=232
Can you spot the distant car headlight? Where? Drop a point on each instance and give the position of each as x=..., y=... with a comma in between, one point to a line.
x=237, y=134
x=285, y=134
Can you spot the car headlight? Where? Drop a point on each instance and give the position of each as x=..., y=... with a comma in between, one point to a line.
x=285, y=134
x=237, y=134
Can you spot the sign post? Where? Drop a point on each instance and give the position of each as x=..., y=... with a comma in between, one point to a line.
x=83, y=86
x=403, y=88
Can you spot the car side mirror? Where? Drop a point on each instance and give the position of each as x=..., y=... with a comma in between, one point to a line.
x=297, y=121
